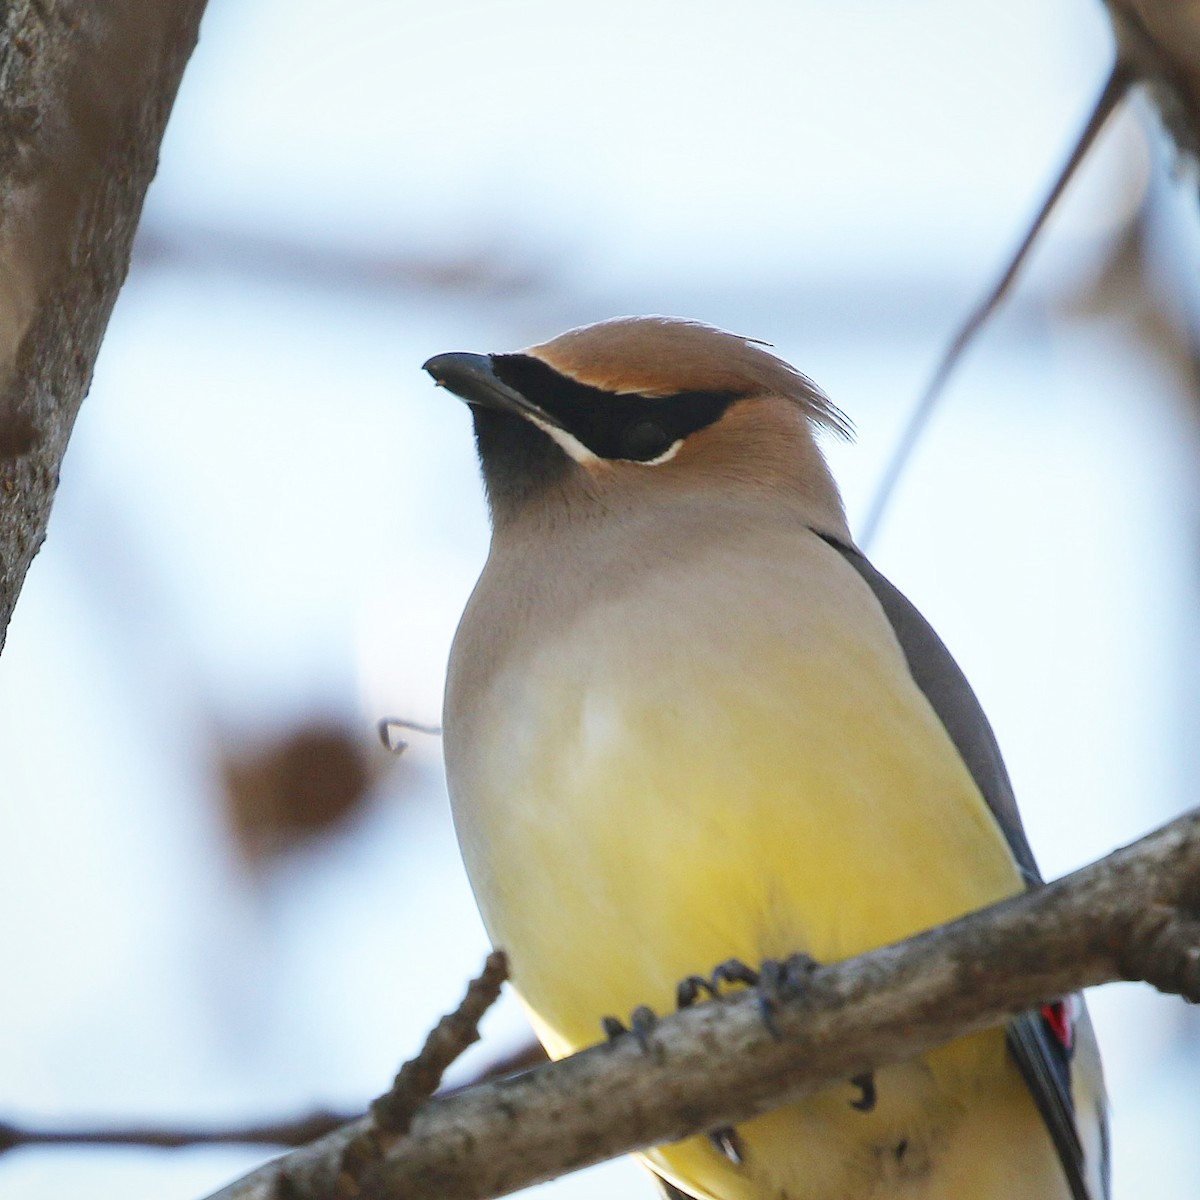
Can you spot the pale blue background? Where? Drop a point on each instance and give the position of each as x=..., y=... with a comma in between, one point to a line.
x=268, y=511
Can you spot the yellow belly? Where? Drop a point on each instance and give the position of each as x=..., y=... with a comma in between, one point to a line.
x=776, y=790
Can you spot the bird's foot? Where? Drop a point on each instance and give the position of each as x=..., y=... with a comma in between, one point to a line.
x=641, y=1024
x=782, y=979
x=733, y=971
x=788, y=978
x=866, y=1083
x=688, y=991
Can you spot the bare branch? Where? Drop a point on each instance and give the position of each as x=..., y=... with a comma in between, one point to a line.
x=1133, y=915
x=391, y=1114
x=1160, y=42
x=85, y=89
x=1114, y=91
x=294, y=1131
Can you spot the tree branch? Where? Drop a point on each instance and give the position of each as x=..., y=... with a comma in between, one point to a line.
x=1115, y=88
x=85, y=90
x=1158, y=44
x=296, y=1132
x=391, y=1115
x=289, y=1131
x=1159, y=40
x=1132, y=915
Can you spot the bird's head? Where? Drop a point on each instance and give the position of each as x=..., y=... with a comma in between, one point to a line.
x=636, y=405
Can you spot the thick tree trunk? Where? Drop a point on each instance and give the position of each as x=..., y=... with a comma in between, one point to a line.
x=85, y=90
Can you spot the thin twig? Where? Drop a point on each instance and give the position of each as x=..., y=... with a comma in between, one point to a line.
x=1111, y=95
x=385, y=725
x=391, y=1114
x=296, y=1131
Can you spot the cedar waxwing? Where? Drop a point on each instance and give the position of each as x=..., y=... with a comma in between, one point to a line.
x=687, y=722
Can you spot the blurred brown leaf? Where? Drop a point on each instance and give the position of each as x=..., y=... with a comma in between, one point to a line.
x=303, y=783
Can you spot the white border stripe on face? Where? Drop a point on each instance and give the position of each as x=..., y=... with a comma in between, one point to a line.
x=575, y=449
x=568, y=442
x=666, y=456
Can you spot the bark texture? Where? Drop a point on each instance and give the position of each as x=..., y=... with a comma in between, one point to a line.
x=1160, y=41
x=1133, y=915
x=85, y=90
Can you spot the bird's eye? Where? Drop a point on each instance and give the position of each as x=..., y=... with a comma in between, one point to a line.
x=644, y=440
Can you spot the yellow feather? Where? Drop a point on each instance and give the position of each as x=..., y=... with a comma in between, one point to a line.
x=714, y=786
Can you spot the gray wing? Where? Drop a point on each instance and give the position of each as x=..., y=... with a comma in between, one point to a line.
x=947, y=690
x=1044, y=1059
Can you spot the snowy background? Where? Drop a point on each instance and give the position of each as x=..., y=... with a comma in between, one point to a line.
x=269, y=520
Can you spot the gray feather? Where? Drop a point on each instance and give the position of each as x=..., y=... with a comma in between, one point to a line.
x=947, y=690
x=1045, y=1066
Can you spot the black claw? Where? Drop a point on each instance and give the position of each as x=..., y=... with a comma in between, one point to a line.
x=613, y=1028
x=773, y=981
x=770, y=984
x=688, y=990
x=733, y=970
x=866, y=1082
x=778, y=980
x=798, y=969
x=641, y=1025
x=766, y=1012
x=727, y=1142
x=772, y=975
